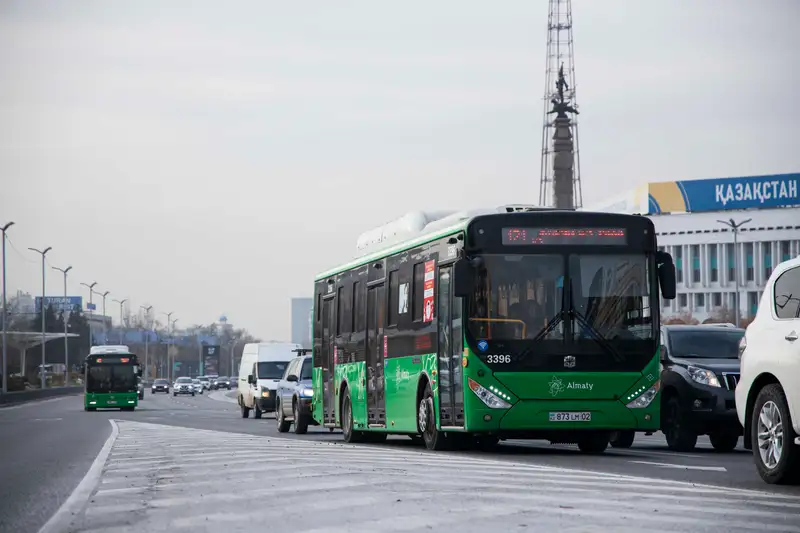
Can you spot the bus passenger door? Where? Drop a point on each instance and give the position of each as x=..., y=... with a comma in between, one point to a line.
x=450, y=373
x=376, y=396
x=328, y=364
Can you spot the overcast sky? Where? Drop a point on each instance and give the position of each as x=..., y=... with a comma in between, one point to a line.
x=210, y=157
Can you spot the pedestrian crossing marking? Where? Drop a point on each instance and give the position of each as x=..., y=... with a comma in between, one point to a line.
x=167, y=478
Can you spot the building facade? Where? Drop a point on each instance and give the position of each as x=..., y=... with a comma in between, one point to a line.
x=301, y=321
x=692, y=220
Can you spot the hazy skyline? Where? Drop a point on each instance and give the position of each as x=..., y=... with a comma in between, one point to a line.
x=207, y=159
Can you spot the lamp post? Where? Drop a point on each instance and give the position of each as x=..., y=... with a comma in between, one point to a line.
x=3, y=229
x=146, y=339
x=172, y=338
x=169, y=321
x=66, y=320
x=105, y=330
x=121, y=304
x=43, y=253
x=91, y=310
x=735, y=227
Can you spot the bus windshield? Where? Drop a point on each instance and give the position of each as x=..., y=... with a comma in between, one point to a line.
x=522, y=297
x=111, y=378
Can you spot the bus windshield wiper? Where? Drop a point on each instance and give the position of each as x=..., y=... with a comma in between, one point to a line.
x=595, y=335
x=555, y=321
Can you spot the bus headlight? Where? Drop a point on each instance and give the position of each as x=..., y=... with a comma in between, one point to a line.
x=486, y=396
x=645, y=398
x=307, y=393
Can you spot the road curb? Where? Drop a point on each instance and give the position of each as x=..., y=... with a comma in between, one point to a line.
x=76, y=501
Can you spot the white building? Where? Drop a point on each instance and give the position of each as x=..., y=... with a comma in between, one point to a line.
x=689, y=218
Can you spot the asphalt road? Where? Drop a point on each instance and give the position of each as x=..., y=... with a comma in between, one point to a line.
x=48, y=447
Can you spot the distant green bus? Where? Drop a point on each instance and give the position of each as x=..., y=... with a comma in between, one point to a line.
x=467, y=328
x=111, y=379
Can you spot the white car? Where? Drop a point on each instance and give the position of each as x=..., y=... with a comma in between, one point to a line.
x=198, y=386
x=768, y=392
x=183, y=385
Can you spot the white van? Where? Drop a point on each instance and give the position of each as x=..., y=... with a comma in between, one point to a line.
x=260, y=372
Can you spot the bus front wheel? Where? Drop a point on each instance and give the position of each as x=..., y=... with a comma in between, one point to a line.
x=426, y=421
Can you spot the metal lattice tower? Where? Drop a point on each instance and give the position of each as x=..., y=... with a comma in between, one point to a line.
x=560, y=59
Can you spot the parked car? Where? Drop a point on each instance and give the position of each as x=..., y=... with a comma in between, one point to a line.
x=198, y=386
x=183, y=385
x=160, y=385
x=768, y=394
x=223, y=382
x=293, y=396
x=700, y=372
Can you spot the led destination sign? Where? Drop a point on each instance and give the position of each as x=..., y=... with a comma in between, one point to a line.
x=565, y=236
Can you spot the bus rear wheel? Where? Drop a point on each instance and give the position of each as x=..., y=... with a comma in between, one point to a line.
x=426, y=420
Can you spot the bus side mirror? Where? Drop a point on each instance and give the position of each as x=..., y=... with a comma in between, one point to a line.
x=666, y=275
x=463, y=282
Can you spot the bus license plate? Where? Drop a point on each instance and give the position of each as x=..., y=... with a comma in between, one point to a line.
x=570, y=416
x=111, y=402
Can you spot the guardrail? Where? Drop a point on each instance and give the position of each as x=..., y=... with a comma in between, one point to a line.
x=37, y=394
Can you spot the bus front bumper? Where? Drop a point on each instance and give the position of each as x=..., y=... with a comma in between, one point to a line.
x=550, y=416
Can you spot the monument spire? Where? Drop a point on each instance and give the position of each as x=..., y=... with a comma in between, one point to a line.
x=560, y=182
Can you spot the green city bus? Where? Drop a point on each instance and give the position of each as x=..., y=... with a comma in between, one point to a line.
x=111, y=379
x=512, y=323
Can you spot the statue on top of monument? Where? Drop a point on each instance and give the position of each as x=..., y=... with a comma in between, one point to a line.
x=561, y=104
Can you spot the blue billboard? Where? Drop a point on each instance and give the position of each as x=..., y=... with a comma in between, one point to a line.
x=59, y=303
x=720, y=194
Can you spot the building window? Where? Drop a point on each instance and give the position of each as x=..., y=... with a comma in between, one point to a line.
x=767, y=259
x=716, y=299
x=712, y=254
x=681, y=301
x=695, y=263
x=731, y=254
x=700, y=299
x=785, y=250
x=748, y=258
x=752, y=300
x=679, y=263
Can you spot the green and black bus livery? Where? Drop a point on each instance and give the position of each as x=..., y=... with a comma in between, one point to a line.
x=502, y=324
x=110, y=379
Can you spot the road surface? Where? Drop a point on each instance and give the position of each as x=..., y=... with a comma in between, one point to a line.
x=53, y=444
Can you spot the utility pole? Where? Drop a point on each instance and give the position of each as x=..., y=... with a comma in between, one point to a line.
x=172, y=337
x=91, y=310
x=735, y=228
x=66, y=327
x=43, y=253
x=146, y=339
x=121, y=303
x=3, y=229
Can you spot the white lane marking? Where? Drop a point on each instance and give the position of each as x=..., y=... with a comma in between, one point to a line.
x=46, y=419
x=76, y=501
x=683, y=467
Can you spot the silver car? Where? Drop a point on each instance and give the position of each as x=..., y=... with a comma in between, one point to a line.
x=183, y=385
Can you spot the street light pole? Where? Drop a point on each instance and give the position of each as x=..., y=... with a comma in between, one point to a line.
x=735, y=227
x=172, y=338
x=105, y=329
x=91, y=311
x=146, y=340
x=121, y=303
x=3, y=229
x=66, y=321
x=169, y=321
x=43, y=253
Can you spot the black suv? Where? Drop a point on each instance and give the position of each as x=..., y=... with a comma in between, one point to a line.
x=698, y=380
